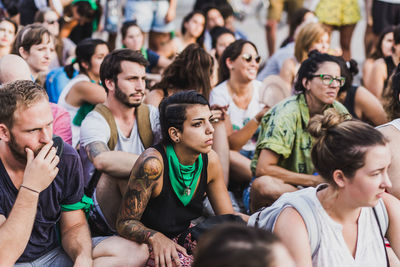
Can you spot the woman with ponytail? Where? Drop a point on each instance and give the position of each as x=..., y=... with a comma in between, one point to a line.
x=352, y=209
x=84, y=91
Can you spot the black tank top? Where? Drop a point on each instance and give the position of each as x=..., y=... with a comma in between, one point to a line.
x=166, y=213
x=350, y=100
x=389, y=68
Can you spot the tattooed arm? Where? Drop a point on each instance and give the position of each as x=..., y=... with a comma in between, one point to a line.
x=114, y=163
x=143, y=183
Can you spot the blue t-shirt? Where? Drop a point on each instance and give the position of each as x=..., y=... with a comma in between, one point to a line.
x=153, y=58
x=67, y=188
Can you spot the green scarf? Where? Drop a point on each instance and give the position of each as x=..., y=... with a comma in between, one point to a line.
x=81, y=113
x=183, y=178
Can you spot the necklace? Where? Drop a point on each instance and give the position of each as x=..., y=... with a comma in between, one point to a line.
x=187, y=191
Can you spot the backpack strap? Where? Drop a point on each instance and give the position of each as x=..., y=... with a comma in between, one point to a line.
x=108, y=116
x=112, y=142
x=142, y=114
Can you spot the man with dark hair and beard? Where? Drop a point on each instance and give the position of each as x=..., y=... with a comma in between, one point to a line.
x=36, y=183
x=107, y=167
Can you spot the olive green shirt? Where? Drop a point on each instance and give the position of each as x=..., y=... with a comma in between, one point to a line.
x=284, y=131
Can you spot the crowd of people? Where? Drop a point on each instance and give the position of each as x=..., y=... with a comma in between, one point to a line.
x=184, y=147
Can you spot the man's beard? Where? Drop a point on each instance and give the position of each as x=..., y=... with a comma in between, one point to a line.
x=18, y=152
x=124, y=98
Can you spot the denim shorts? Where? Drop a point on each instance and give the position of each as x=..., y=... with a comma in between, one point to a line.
x=149, y=15
x=56, y=257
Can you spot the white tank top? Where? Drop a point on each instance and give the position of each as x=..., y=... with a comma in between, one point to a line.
x=333, y=250
x=71, y=109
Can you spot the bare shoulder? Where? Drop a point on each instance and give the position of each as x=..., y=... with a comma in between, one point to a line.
x=212, y=156
x=289, y=217
x=149, y=165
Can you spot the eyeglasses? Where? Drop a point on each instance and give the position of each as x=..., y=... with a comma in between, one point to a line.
x=328, y=79
x=249, y=58
x=51, y=22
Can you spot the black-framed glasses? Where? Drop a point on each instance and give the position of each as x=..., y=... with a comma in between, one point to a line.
x=328, y=79
x=249, y=58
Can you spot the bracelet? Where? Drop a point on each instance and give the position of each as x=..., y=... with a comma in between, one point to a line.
x=257, y=121
x=30, y=189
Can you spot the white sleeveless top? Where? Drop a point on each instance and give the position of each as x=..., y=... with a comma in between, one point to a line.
x=71, y=109
x=333, y=250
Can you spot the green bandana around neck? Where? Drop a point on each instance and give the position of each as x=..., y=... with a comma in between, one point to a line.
x=183, y=178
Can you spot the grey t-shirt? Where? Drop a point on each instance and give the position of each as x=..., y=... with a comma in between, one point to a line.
x=95, y=128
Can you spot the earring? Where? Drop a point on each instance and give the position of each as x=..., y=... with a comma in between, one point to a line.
x=177, y=140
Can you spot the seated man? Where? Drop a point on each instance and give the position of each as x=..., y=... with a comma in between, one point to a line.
x=114, y=134
x=35, y=183
x=38, y=190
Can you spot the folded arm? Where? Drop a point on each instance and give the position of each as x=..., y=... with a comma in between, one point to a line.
x=115, y=163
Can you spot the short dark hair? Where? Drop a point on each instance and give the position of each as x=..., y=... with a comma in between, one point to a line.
x=126, y=25
x=173, y=111
x=232, y=52
x=236, y=245
x=111, y=65
x=29, y=36
x=18, y=93
x=310, y=66
x=341, y=143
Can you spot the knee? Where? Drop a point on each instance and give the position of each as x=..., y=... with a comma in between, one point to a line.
x=263, y=186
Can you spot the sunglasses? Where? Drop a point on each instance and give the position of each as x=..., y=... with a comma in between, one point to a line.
x=328, y=79
x=249, y=58
x=51, y=22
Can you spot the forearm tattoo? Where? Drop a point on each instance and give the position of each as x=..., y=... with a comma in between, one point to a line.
x=146, y=172
x=95, y=148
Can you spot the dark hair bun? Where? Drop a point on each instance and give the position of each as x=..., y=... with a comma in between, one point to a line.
x=320, y=124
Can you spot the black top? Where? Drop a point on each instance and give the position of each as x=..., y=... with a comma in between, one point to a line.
x=390, y=67
x=166, y=213
x=350, y=101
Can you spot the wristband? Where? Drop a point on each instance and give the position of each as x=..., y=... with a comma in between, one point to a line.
x=257, y=121
x=30, y=189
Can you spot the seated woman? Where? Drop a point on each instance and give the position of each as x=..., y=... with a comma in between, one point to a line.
x=168, y=181
x=353, y=158
x=35, y=44
x=383, y=49
x=383, y=68
x=240, y=92
x=360, y=102
x=8, y=31
x=310, y=37
x=133, y=38
x=64, y=47
x=391, y=131
x=192, y=31
x=282, y=159
x=84, y=91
